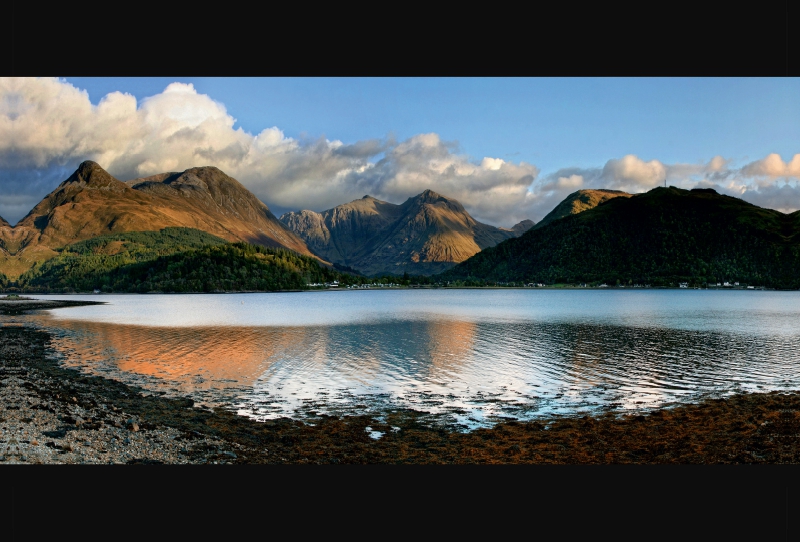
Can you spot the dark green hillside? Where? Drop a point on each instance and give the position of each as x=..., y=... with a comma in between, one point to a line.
x=230, y=267
x=664, y=236
x=82, y=263
x=221, y=267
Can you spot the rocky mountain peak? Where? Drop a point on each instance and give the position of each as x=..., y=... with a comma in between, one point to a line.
x=87, y=167
x=523, y=226
x=89, y=174
x=426, y=234
x=91, y=202
x=429, y=196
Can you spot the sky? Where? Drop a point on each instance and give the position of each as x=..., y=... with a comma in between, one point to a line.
x=506, y=148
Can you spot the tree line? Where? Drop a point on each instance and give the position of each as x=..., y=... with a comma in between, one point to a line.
x=182, y=260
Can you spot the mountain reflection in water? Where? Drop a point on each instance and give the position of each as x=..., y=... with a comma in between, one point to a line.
x=472, y=369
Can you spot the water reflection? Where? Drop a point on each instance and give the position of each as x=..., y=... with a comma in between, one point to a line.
x=469, y=370
x=284, y=365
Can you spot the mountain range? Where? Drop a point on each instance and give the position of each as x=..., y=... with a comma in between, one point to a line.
x=426, y=234
x=173, y=231
x=91, y=202
x=661, y=237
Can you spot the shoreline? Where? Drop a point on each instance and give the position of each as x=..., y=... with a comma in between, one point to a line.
x=53, y=414
x=395, y=288
x=19, y=305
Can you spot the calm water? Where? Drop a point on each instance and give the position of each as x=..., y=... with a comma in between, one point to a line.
x=474, y=356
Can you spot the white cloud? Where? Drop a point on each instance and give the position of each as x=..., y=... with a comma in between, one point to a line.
x=492, y=163
x=573, y=182
x=759, y=182
x=630, y=173
x=718, y=163
x=773, y=166
x=55, y=124
x=48, y=126
x=492, y=190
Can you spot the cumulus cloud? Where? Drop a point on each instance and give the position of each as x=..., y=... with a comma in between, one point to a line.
x=48, y=126
x=718, y=163
x=769, y=182
x=492, y=190
x=48, y=123
x=630, y=173
x=773, y=166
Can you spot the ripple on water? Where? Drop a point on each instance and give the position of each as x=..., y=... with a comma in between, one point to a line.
x=522, y=363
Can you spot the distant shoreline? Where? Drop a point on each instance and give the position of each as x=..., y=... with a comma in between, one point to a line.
x=420, y=287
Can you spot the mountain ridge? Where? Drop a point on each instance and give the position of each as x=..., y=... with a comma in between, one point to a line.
x=427, y=233
x=661, y=237
x=91, y=202
x=580, y=201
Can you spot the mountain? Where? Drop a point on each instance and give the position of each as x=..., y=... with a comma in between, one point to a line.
x=91, y=203
x=580, y=201
x=661, y=237
x=520, y=227
x=427, y=234
x=3, y=252
x=84, y=265
x=5, y=231
x=172, y=260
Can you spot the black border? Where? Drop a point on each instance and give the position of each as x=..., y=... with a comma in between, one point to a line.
x=670, y=39
x=677, y=38
x=564, y=502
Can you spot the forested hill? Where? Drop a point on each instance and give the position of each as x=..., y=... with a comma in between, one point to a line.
x=87, y=260
x=662, y=237
x=92, y=203
x=580, y=201
x=172, y=260
x=230, y=268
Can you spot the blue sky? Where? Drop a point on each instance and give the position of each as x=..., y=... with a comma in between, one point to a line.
x=507, y=148
x=552, y=122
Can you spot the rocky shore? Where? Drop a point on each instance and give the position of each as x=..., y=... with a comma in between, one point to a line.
x=14, y=304
x=52, y=414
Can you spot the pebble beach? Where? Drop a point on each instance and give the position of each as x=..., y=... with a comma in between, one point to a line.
x=51, y=414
